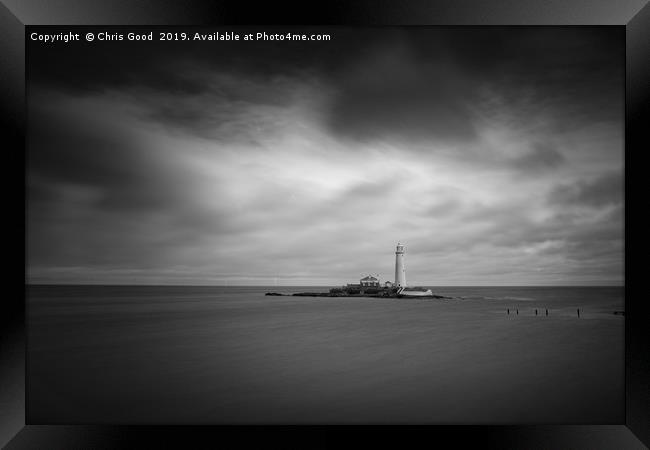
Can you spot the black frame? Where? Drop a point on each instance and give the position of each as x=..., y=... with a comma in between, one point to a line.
x=634, y=15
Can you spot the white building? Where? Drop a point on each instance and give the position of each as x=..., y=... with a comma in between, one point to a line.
x=400, y=270
x=369, y=281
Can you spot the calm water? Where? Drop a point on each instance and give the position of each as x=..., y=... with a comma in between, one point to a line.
x=127, y=354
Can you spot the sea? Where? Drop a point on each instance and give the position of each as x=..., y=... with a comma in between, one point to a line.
x=231, y=355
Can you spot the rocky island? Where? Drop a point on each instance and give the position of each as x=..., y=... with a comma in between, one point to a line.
x=371, y=287
x=344, y=292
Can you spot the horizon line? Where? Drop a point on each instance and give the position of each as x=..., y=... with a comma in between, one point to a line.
x=320, y=285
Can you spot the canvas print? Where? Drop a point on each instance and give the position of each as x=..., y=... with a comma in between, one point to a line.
x=325, y=225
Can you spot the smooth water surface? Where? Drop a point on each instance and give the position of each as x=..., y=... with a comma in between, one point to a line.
x=177, y=354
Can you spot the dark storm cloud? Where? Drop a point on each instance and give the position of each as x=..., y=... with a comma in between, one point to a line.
x=98, y=194
x=579, y=67
x=395, y=94
x=605, y=190
x=61, y=149
x=222, y=111
x=542, y=156
x=65, y=147
x=407, y=83
x=578, y=241
x=429, y=84
x=243, y=161
x=567, y=233
x=171, y=67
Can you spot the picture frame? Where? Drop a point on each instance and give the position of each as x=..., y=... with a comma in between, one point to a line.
x=15, y=16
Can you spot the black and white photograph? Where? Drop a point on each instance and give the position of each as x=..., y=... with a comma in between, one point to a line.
x=325, y=225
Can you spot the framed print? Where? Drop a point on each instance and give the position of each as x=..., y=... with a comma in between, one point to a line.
x=251, y=220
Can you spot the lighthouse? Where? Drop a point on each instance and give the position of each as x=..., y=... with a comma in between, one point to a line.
x=400, y=271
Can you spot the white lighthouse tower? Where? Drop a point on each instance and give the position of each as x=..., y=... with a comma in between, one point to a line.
x=400, y=271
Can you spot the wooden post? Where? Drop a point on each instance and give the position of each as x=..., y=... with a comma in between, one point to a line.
x=535, y=311
x=547, y=312
x=508, y=311
x=578, y=312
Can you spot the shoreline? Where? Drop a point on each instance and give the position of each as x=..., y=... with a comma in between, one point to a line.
x=374, y=295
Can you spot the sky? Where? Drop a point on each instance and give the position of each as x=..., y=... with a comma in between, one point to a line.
x=495, y=154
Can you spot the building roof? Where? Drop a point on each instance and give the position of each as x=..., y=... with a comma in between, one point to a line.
x=369, y=278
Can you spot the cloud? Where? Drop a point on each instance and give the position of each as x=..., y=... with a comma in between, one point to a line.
x=393, y=93
x=543, y=156
x=308, y=164
x=604, y=190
